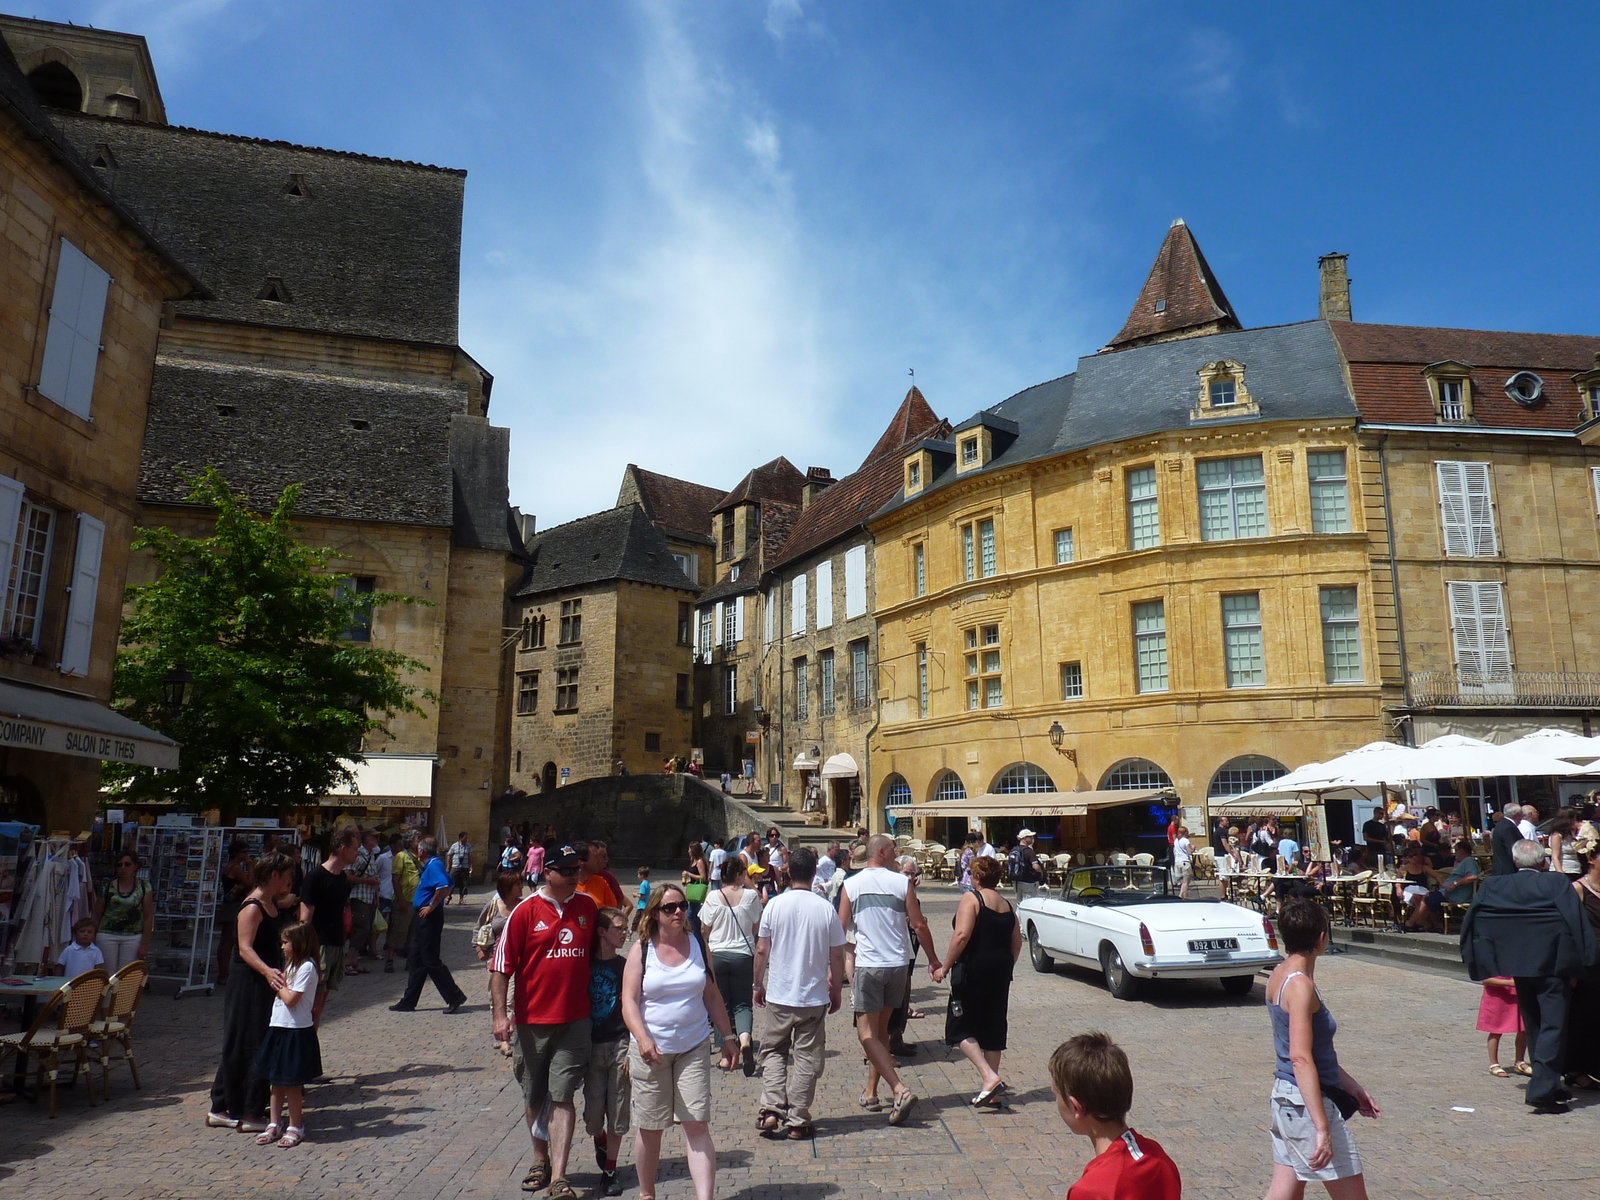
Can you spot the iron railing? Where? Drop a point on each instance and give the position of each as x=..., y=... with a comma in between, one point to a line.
x=1515, y=689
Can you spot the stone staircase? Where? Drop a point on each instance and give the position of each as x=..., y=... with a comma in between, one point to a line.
x=792, y=825
x=1439, y=953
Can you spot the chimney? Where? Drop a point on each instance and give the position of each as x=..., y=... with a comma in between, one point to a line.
x=526, y=524
x=818, y=480
x=1334, y=303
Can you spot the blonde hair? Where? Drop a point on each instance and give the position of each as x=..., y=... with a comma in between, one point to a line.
x=649, y=921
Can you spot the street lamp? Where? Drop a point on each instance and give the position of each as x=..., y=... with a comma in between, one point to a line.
x=175, y=685
x=1057, y=736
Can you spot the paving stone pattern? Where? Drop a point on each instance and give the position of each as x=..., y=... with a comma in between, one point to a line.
x=422, y=1108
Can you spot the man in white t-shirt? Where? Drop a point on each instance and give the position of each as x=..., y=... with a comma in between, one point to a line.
x=826, y=866
x=881, y=904
x=802, y=940
x=717, y=857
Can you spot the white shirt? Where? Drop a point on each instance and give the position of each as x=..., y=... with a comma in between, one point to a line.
x=1529, y=830
x=386, y=875
x=878, y=912
x=674, y=1007
x=825, y=869
x=718, y=856
x=733, y=930
x=1182, y=852
x=302, y=979
x=78, y=959
x=986, y=852
x=803, y=928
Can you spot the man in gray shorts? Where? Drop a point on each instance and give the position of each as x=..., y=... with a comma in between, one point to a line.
x=881, y=905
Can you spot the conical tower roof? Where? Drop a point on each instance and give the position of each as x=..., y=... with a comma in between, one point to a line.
x=912, y=421
x=1181, y=298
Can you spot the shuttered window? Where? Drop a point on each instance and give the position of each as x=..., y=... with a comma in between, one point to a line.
x=824, y=594
x=72, y=341
x=1478, y=629
x=707, y=621
x=825, y=682
x=1466, y=510
x=797, y=605
x=802, y=696
x=730, y=624
x=855, y=582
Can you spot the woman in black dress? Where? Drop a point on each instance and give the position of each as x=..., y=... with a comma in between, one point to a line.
x=982, y=952
x=1583, y=1014
x=239, y=1096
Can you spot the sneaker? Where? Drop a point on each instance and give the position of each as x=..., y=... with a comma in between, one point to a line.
x=609, y=1184
x=220, y=1121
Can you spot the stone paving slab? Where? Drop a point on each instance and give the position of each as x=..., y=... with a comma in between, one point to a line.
x=423, y=1108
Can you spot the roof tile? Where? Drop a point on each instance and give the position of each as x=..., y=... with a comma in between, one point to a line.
x=1180, y=294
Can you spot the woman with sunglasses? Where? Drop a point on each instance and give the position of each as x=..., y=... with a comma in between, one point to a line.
x=668, y=996
x=124, y=915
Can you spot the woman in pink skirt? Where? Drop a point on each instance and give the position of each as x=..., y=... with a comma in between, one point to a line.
x=1497, y=1014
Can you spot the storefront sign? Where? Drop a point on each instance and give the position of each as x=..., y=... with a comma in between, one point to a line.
x=84, y=743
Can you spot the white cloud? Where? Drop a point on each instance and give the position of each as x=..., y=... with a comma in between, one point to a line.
x=1208, y=75
x=782, y=17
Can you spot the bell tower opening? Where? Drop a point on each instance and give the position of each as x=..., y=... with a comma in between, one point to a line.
x=56, y=86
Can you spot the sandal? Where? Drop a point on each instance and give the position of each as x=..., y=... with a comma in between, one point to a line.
x=291, y=1138
x=1522, y=1068
x=870, y=1103
x=916, y=1014
x=768, y=1121
x=272, y=1134
x=560, y=1189
x=1498, y=1071
x=538, y=1176
x=989, y=1097
x=902, y=1107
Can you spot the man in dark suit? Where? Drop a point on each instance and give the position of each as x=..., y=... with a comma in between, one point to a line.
x=1505, y=835
x=1530, y=925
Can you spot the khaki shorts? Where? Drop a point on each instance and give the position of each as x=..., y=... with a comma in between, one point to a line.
x=877, y=988
x=330, y=963
x=550, y=1061
x=607, y=1090
x=678, y=1088
x=1294, y=1137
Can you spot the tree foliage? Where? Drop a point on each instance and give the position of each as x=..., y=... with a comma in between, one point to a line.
x=280, y=694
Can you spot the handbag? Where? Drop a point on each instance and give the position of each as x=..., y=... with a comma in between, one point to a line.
x=695, y=893
x=1347, y=1104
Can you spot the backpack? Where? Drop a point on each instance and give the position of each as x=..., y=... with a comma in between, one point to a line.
x=1016, y=865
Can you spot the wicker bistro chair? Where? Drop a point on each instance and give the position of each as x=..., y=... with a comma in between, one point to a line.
x=123, y=991
x=1144, y=860
x=1205, y=863
x=948, y=869
x=68, y=1015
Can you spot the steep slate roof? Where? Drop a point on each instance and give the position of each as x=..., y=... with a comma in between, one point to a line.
x=620, y=543
x=847, y=504
x=674, y=504
x=1193, y=298
x=19, y=103
x=1293, y=372
x=777, y=480
x=1386, y=364
x=373, y=249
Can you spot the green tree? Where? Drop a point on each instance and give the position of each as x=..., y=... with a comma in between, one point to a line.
x=280, y=694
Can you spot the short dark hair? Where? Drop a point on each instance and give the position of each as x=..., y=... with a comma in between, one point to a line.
x=268, y=865
x=609, y=918
x=506, y=882
x=803, y=865
x=1093, y=1070
x=1464, y=846
x=345, y=837
x=1300, y=923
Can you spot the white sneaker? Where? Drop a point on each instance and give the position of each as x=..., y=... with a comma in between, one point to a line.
x=220, y=1121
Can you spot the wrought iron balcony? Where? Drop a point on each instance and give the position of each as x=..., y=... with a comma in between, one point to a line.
x=1516, y=689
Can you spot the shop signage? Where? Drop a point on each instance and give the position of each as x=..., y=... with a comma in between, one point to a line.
x=84, y=743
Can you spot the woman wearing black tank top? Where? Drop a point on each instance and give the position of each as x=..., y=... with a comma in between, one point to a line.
x=983, y=950
x=238, y=1096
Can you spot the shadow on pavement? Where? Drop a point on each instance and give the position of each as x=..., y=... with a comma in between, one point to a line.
x=791, y=1191
x=365, y=1121
x=15, y=1152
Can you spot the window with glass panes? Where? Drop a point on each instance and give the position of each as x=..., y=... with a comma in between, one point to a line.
x=1223, y=393
x=30, y=571
x=528, y=692
x=922, y=679
x=730, y=691
x=730, y=625
x=1144, y=518
x=571, y=621
x=1150, y=645
x=534, y=633
x=985, y=684
x=567, y=689
x=1024, y=777
x=978, y=550
x=1233, y=498
x=1063, y=546
x=707, y=615
x=950, y=787
x=858, y=674
x=1071, y=681
x=1451, y=405
x=825, y=682
x=1330, y=492
x=919, y=568
x=1241, y=639
x=1136, y=774
x=802, y=688
x=1341, y=635
x=685, y=621
x=681, y=693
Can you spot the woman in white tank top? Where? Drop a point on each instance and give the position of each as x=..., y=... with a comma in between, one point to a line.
x=668, y=995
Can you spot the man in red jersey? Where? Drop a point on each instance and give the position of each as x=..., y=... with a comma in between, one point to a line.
x=548, y=944
x=1094, y=1090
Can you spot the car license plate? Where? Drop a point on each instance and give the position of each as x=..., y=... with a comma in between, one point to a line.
x=1212, y=945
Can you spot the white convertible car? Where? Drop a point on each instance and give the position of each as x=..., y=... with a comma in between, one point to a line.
x=1123, y=921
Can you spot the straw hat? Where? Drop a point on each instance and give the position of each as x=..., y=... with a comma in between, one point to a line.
x=858, y=857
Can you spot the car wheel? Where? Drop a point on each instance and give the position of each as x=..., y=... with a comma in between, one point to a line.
x=1119, y=981
x=1238, y=985
x=1041, y=961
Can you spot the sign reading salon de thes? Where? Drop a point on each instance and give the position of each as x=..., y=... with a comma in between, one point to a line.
x=85, y=743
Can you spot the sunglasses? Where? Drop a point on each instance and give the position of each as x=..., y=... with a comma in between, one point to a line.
x=673, y=906
x=567, y=870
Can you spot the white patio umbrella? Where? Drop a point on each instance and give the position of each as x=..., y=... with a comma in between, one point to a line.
x=1456, y=757
x=1311, y=780
x=1559, y=743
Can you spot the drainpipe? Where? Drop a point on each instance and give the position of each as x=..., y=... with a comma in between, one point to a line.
x=1394, y=577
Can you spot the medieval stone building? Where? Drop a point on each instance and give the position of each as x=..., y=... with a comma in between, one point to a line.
x=325, y=353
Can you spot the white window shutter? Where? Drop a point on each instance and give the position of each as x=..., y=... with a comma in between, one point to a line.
x=1453, y=509
x=855, y=582
x=1478, y=626
x=1494, y=636
x=824, y=594
x=72, y=341
x=797, y=605
x=10, y=513
x=79, y=638
x=738, y=619
x=1480, y=509
x=769, y=615
x=1594, y=477
x=1464, y=629
x=716, y=624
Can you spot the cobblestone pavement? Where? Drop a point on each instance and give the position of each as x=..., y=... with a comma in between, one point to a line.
x=422, y=1108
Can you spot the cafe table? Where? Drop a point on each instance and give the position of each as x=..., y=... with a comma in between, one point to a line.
x=30, y=989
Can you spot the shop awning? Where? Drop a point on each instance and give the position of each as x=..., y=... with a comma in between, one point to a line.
x=840, y=766
x=803, y=763
x=34, y=718
x=387, y=781
x=1039, y=804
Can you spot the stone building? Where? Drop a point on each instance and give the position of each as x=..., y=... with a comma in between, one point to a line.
x=682, y=511
x=603, y=662
x=82, y=285
x=326, y=353
x=819, y=648
x=1179, y=557
x=751, y=523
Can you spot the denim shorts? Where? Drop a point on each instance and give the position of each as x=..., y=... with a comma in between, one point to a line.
x=1294, y=1137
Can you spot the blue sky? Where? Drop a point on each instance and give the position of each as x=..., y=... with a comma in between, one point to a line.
x=702, y=234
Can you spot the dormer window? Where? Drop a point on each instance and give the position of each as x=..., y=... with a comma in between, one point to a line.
x=969, y=451
x=913, y=476
x=1588, y=384
x=1451, y=385
x=1526, y=388
x=1223, y=392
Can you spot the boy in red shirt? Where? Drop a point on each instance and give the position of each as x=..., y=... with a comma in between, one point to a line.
x=1094, y=1090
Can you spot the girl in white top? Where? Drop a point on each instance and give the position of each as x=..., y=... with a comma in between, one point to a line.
x=668, y=995
x=290, y=1055
x=729, y=918
x=1183, y=861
